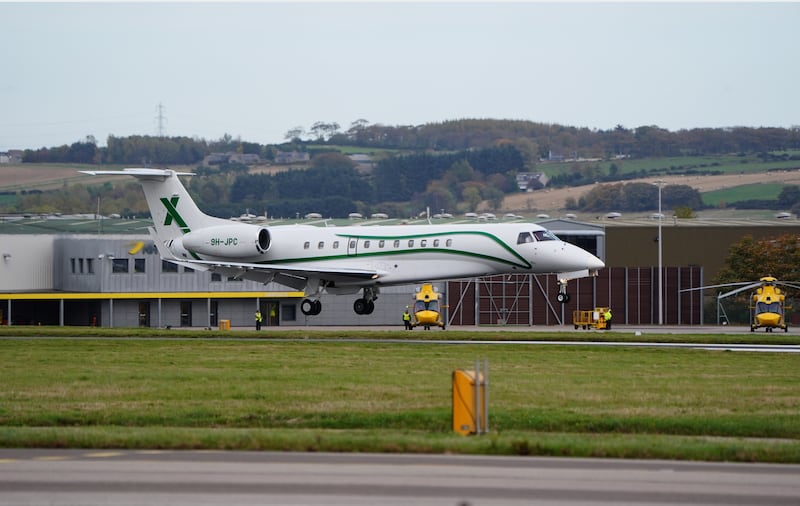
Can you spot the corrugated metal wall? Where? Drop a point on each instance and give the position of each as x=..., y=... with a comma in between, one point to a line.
x=26, y=263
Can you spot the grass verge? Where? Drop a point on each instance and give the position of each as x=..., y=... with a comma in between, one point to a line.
x=389, y=397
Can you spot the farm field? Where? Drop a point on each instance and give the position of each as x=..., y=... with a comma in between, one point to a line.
x=554, y=199
x=318, y=395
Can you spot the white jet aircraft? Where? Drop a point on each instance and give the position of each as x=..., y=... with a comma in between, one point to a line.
x=342, y=260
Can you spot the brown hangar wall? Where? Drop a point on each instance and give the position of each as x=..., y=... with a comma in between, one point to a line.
x=683, y=245
x=527, y=299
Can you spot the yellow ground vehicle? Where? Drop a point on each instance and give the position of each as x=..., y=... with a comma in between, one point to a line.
x=590, y=319
x=426, y=310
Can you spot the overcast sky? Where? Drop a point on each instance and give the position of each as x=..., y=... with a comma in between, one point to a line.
x=256, y=70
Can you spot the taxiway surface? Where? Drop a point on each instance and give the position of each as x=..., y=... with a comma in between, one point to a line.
x=68, y=477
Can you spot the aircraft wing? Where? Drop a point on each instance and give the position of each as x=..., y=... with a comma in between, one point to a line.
x=295, y=277
x=260, y=272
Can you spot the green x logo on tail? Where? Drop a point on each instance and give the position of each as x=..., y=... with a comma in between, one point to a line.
x=172, y=213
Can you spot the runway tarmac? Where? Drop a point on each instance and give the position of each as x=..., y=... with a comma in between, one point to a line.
x=114, y=478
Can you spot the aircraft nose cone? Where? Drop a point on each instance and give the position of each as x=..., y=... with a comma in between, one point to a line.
x=595, y=263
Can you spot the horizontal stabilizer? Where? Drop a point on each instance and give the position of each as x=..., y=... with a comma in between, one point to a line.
x=137, y=172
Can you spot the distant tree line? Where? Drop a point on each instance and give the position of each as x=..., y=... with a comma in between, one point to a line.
x=541, y=140
x=636, y=197
x=444, y=166
x=437, y=181
x=533, y=140
x=144, y=150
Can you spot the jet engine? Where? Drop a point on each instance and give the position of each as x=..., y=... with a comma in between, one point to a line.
x=237, y=241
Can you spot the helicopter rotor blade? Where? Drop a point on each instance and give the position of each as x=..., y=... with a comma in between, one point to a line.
x=733, y=292
x=740, y=283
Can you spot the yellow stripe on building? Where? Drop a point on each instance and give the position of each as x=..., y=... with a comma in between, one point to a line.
x=151, y=295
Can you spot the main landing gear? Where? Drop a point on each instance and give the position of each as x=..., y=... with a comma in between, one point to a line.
x=311, y=307
x=366, y=304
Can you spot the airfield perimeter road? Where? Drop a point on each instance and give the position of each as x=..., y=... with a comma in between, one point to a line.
x=114, y=478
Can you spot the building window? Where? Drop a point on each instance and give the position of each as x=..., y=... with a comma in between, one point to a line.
x=168, y=266
x=80, y=265
x=138, y=265
x=90, y=265
x=188, y=270
x=216, y=276
x=119, y=265
x=72, y=265
x=288, y=312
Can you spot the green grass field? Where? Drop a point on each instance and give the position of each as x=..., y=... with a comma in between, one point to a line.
x=762, y=191
x=322, y=395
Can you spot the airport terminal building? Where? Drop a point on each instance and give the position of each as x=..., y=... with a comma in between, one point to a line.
x=83, y=271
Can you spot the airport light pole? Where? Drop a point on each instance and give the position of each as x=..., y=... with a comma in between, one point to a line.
x=660, y=183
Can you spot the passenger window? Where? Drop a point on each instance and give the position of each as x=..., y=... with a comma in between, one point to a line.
x=449, y=243
x=321, y=245
x=352, y=244
x=366, y=244
x=411, y=243
x=335, y=244
x=423, y=243
x=396, y=243
x=436, y=243
x=381, y=243
x=306, y=245
x=524, y=237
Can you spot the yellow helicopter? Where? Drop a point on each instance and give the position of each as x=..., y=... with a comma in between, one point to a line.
x=767, y=308
x=426, y=311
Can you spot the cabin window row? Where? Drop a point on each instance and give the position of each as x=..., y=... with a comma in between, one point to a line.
x=382, y=243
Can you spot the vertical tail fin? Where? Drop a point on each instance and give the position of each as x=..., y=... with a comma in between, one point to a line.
x=173, y=210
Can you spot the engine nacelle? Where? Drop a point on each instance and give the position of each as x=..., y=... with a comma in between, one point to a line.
x=234, y=241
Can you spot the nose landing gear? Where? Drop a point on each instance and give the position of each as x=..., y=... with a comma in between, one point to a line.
x=563, y=296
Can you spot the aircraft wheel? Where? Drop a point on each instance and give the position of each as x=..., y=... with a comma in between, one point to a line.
x=370, y=307
x=360, y=306
x=310, y=307
x=752, y=329
x=562, y=298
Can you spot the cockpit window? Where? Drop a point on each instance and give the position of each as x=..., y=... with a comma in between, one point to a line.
x=768, y=307
x=524, y=237
x=545, y=235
